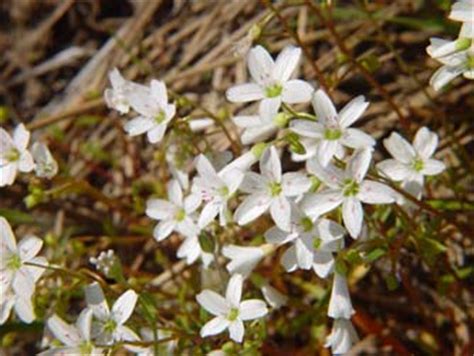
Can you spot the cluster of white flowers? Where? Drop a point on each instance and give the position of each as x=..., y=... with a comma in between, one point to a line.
x=456, y=56
x=337, y=160
x=15, y=156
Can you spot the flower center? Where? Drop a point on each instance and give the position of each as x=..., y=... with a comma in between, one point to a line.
x=332, y=134
x=351, y=188
x=13, y=155
x=317, y=242
x=307, y=224
x=160, y=117
x=180, y=215
x=281, y=119
x=273, y=90
x=418, y=164
x=463, y=44
x=275, y=189
x=233, y=314
x=86, y=348
x=224, y=192
x=13, y=262
x=110, y=325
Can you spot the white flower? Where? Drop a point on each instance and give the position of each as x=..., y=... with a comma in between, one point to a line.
x=327, y=137
x=215, y=189
x=313, y=242
x=155, y=112
x=260, y=127
x=347, y=188
x=272, y=80
x=230, y=312
x=191, y=250
x=462, y=10
x=457, y=58
x=270, y=190
x=411, y=163
x=14, y=155
x=243, y=259
x=342, y=337
x=105, y=262
x=76, y=339
x=17, y=278
x=340, y=305
x=45, y=164
x=118, y=97
x=273, y=296
x=109, y=327
x=175, y=214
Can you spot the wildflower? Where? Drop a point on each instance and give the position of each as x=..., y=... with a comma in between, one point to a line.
x=155, y=112
x=191, y=250
x=313, y=242
x=175, y=214
x=105, y=262
x=331, y=133
x=462, y=10
x=273, y=297
x=18, y=276
x=272, y=80
x=347, y=188
x=411, y=163
x=260, y=127
x=340, y=305
x=45, y=164
x=76, y=338
x=110, y=327
x=342, y=337
x=14, y=155
x=215, y=189
x=243, y=259
x=230, y=312
x=270, y=190
x=118, y=97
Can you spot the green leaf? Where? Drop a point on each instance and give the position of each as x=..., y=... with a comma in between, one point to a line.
x=391, y=282
x=375, y=254
x=17, y=217
x=207, y=242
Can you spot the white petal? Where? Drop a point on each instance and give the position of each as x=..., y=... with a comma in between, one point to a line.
x=323, y=264
x=376, y=193
x=260, y=64
x=251, y=208
x=352, y=111
x=64, y=332
x=243, y=259
x=7, y=238
x=34, y=271
x=296, y=91
x=236, y=330
x=399, y=148
x=29, y=247
x=232, y=178
x=44, y=162
x=206, y=170
x=156, y=134
x=175, y=193
x=295, y=183
x=359, y=164
x=307, y=128
x=213, y=302
x=268, y=109
x=233, y=293
x=317, y=204
x=444, y=75
x=274, y=235
x=24, y=309
x=432, y=167
x=342, y=336
x=258, y=134
x=6, y=142
x=247, y=121
x=355, y=138
x=187, y=227
x=189, y=249
x=273, y=297
x=280, y=210
x=330, y=175
x=138, y=125
x=326, y=151
x=323, y=106
x=467, y=30
x=197, y=125
x=215, y=326
x=288, y=260
x=84, y=324
x=462, y=11
x=123, y=306
x=270, y=165
x=245, y=92
x=159, y=209
x=23, y=283
x=425, y=142
x=253, y=183
x=304, y=256
x=192, y=202
x=340, y=305
x=158, y=92
x=21, y=137
x=352, y=215
x=95, y=300
x=26, y=162
x=208, y=213
x=8, y=174
x=252, y=309
x=163, y=229
x=6, y=307
x=286, y=63
x=329, y=231
x=394, y=169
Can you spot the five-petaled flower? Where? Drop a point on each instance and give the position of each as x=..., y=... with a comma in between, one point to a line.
x=230, y=312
